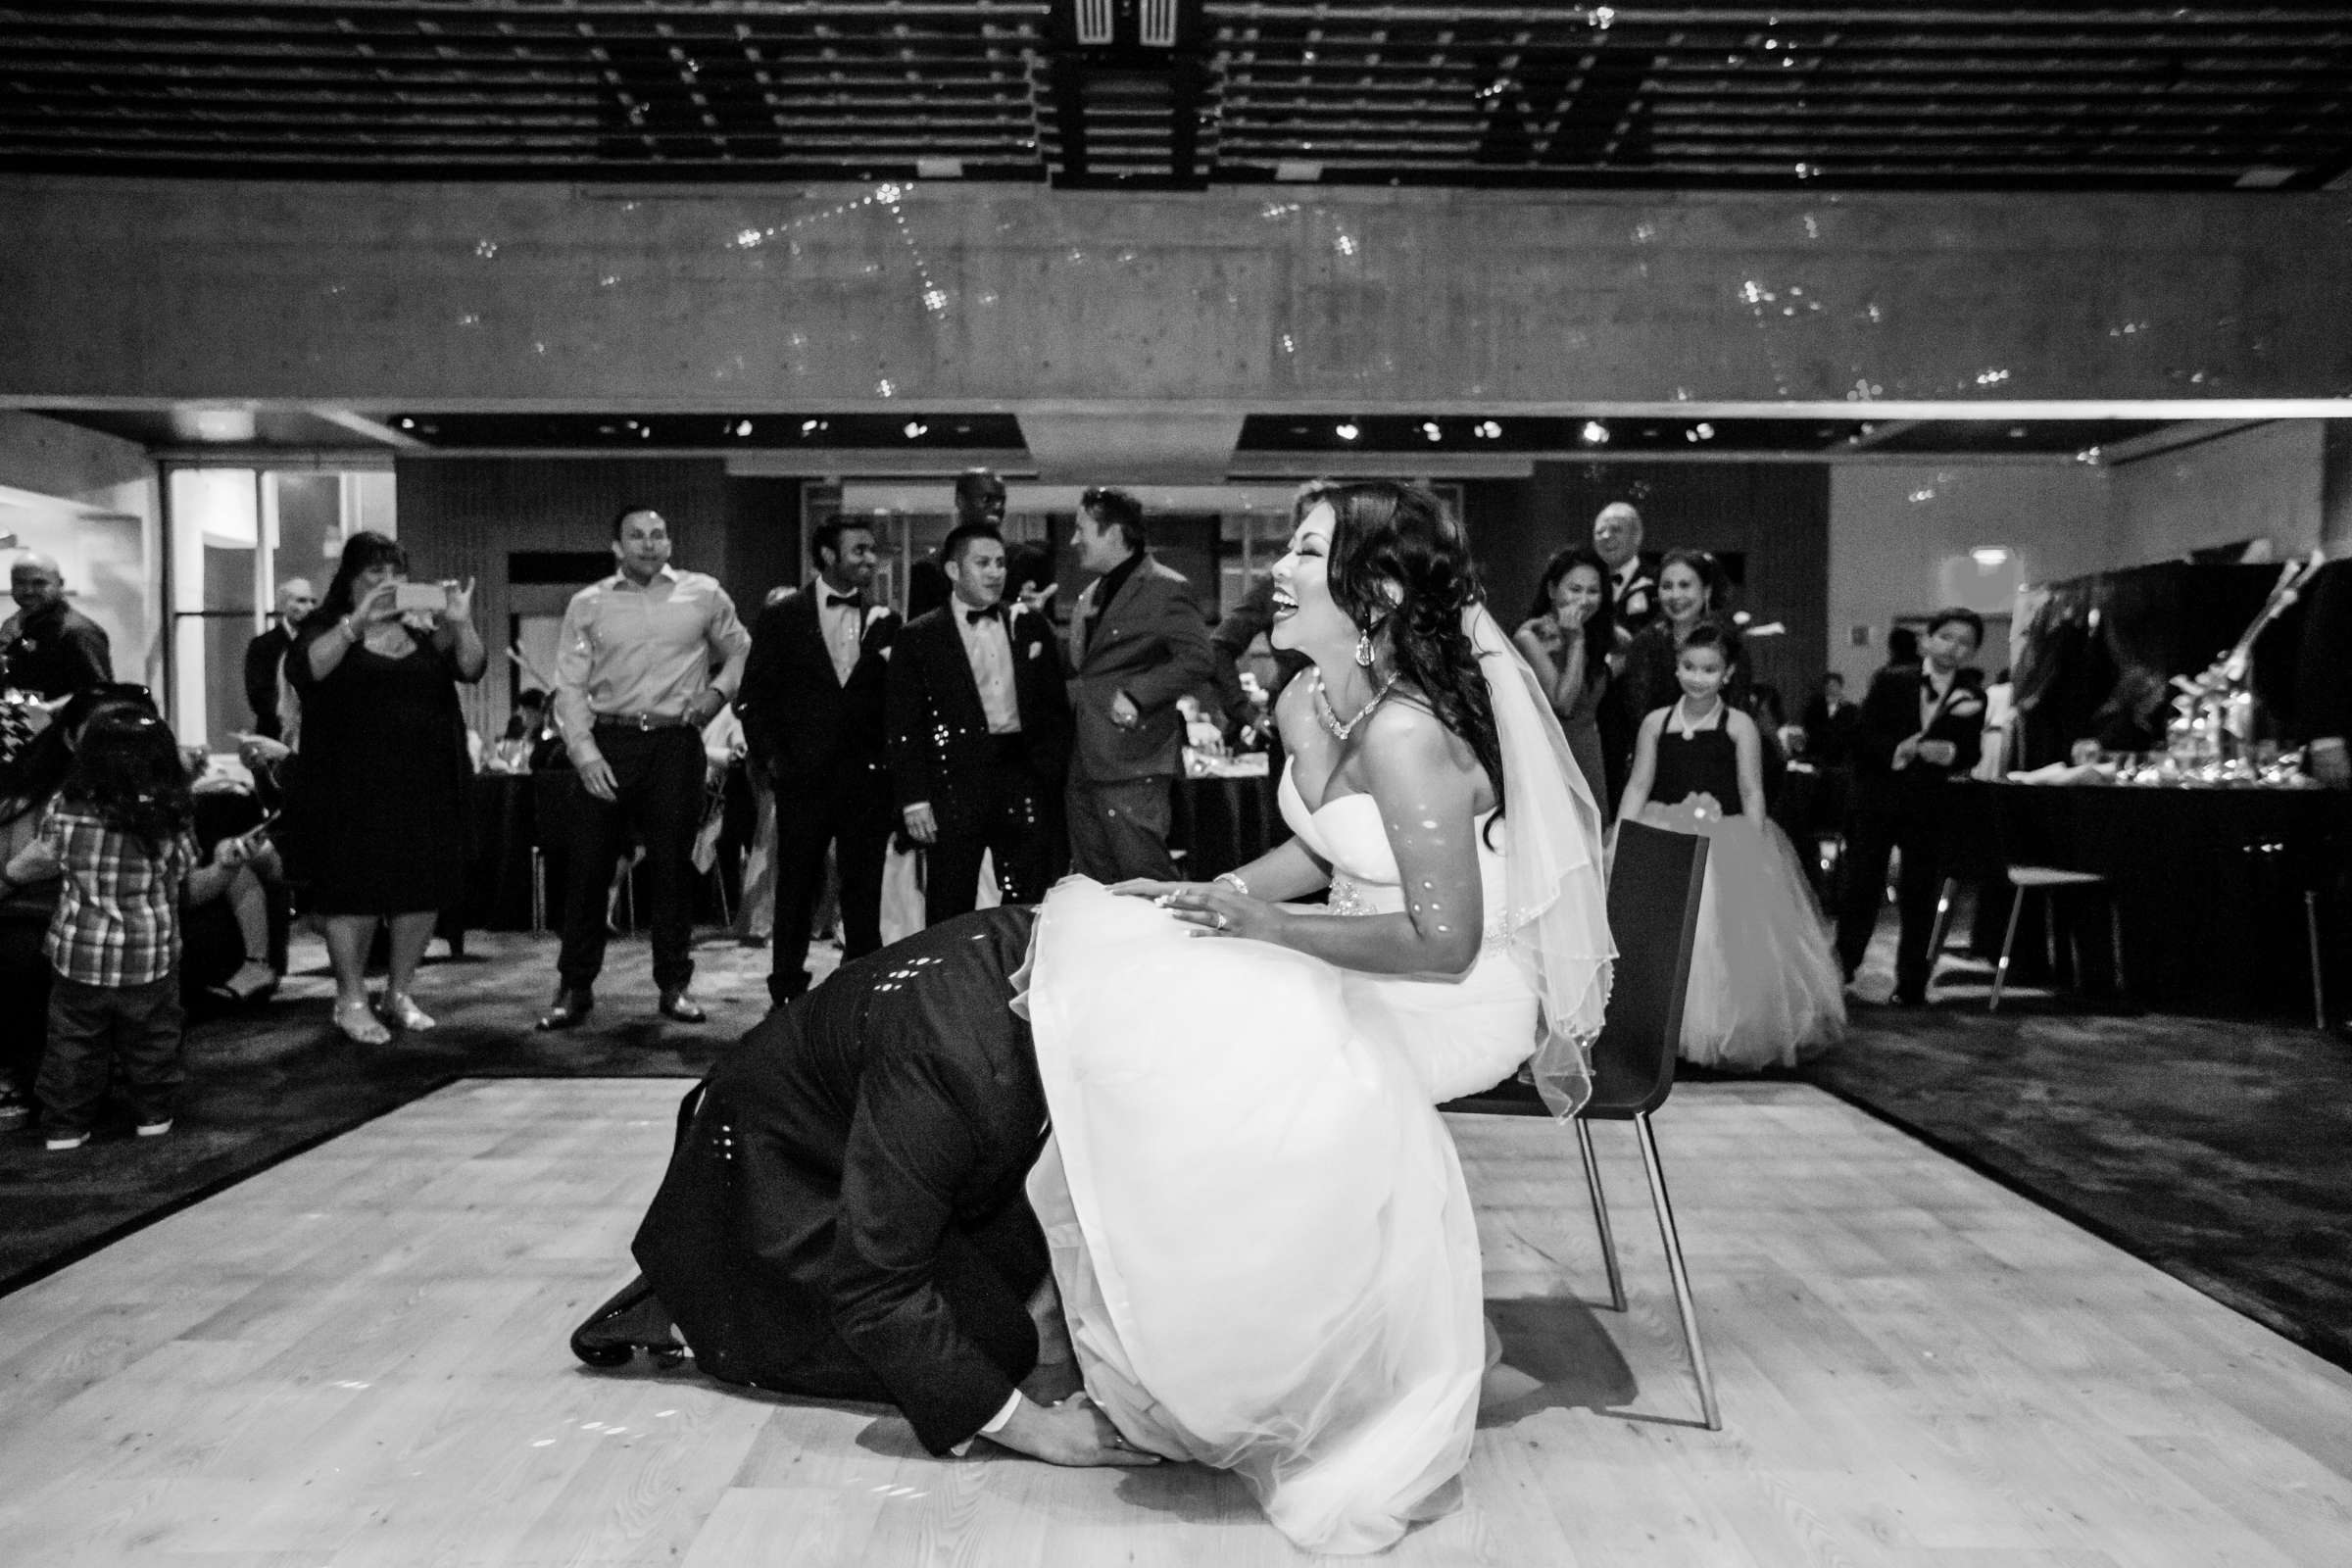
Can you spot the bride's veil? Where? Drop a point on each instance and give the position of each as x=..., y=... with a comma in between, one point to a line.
x=1556, y=907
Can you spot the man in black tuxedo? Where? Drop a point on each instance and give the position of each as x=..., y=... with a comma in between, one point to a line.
x=1922, y=726
x=979, y=733
x=813, y=722
x=844, y=1217
x=1632, y=576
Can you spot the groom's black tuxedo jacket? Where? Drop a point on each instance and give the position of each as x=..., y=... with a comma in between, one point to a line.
x=852, y=1176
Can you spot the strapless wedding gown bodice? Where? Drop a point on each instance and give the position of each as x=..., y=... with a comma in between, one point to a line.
x=1265, y=1249
x=1459, y=1035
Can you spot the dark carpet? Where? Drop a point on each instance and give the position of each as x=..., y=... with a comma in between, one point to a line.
x=2216, y=1151
x=271, y=1081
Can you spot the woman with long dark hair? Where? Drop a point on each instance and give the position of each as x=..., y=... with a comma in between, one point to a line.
x=1691, y=593
x=381, y=789
x=1243, y=1127
x=1570, y=632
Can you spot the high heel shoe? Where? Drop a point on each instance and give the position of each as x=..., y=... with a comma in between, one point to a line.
x=360, y=1024
x=406, y=1014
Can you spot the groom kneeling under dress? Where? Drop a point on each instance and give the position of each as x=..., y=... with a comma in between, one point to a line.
x=844, y=1214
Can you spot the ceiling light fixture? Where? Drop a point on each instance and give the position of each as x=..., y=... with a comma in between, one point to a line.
x=1595, y=433
x=1346, y=430
x=916, y=427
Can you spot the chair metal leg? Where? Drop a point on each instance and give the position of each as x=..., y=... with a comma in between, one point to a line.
x=1942, y=931
x=538, y=888
x=726, y=917
x=1674, y=1265
x=2001, y=972
x=1601, y=1215
x=2319, y=976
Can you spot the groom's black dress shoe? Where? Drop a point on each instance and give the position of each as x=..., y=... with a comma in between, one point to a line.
x=677, y=1003
x=570, y=1006
x=634, y=1320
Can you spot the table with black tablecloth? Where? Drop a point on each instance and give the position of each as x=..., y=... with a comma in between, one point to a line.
x=2209, y=882
x=1220, y=823
x=503, y=814
x=510, y=814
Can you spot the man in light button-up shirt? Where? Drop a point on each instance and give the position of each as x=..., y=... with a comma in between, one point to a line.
x=646, y=658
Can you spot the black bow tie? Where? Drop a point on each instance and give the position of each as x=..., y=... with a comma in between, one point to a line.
x=992, y=613
x=837, y=601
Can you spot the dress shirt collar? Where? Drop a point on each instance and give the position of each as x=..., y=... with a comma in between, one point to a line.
x=622, y=581
x=1627, y=575
x=1108, y=589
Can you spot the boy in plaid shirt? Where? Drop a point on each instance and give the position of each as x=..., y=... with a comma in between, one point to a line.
x=120, y=836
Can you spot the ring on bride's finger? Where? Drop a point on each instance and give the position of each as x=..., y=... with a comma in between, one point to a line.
x=1222, y=922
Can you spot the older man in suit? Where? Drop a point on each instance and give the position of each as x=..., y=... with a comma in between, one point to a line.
x=979, y=733
x=813, y=722
x=1138, y=642
x=1921, y=727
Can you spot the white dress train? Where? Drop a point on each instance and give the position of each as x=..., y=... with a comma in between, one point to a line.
x=1259, y=1228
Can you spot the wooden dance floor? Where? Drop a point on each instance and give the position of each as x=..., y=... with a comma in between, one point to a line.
x=358, y=1358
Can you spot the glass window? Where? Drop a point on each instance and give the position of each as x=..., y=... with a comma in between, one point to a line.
x=233, y=537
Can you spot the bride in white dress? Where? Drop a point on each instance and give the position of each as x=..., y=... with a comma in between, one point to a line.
x=1260, y=1229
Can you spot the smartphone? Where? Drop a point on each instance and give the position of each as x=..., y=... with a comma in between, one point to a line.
x=430, y=597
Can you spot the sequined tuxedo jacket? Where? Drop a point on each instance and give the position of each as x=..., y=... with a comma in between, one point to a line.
x=939, y=745
x=852, y=1173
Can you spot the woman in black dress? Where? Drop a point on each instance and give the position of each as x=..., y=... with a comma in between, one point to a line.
x=383, y=772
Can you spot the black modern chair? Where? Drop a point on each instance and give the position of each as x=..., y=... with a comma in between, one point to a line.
x=1653, y=914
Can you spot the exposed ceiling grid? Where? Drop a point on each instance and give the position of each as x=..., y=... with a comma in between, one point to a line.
x=1707, y=93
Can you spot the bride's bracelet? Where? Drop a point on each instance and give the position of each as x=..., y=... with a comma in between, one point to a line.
x=1233, y=880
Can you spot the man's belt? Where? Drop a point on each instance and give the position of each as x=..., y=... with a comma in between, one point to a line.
x=645, y=722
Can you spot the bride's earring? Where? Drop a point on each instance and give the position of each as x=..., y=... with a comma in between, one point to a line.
x=1363, y=647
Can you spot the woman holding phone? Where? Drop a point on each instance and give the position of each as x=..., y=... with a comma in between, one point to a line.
x=379, y=799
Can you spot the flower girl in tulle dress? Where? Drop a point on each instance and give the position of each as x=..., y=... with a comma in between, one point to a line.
x=1764, y=988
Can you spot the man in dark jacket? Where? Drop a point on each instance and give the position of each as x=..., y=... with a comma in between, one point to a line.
x=979, y=734
x=266, y=655
x=1138, y=642
x=1921, y=727
x=48, y=648
x=813, y=722
x=844, y=1217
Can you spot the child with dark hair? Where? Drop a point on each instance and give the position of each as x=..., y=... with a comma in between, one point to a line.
x=1764, y=989
x=120, y=838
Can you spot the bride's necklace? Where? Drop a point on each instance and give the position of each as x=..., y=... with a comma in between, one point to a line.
x=1329, y=716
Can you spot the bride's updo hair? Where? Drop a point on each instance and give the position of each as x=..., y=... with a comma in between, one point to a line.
x=1402, y=568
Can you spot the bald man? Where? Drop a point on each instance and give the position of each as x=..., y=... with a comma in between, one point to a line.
x=1633, y=593
x=47, y=648
x=1632, y=585
x=265, y=654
